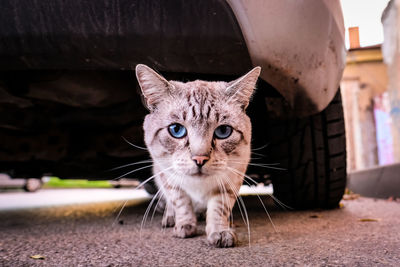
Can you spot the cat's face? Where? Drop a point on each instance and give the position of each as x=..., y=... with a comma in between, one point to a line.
x=199, y=128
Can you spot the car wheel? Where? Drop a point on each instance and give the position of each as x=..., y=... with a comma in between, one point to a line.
x=312, y=151
x=32, y=185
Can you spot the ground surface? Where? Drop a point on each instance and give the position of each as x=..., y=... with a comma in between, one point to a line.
x=363, y=232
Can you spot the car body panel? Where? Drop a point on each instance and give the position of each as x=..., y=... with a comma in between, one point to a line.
x=171, y=36
x=299, y=45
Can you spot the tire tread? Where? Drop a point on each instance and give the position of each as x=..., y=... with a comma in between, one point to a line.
x=313, y=150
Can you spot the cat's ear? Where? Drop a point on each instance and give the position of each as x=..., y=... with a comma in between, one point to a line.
x=241, y=89
x=154, y=87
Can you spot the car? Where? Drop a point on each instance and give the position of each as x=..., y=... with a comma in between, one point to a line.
x=29, y=184
x=69, y=96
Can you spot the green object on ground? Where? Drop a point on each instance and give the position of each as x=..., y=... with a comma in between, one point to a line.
x=56, y=182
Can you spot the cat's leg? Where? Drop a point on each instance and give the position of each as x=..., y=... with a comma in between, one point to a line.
x=219, y=208
x=164, y=207
x=185, y=218
x=182, y=208
x=168, y=219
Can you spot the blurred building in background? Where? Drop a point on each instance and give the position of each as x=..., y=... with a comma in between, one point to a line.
x=363, y=88
x=371, y=96
x=391, y=57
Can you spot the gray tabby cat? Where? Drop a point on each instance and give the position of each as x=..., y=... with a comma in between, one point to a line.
x=198, y=136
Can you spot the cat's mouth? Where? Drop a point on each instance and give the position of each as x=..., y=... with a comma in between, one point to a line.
x=199, y=173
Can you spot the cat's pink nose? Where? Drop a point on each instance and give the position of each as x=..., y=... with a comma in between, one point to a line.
x=200, y=160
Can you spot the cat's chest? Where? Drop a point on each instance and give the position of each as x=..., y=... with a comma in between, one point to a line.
x=199, y=189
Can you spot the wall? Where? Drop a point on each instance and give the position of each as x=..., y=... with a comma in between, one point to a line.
x=364, y=83
x=391, y=54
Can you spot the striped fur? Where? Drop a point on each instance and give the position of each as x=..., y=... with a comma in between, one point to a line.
x=200, y=107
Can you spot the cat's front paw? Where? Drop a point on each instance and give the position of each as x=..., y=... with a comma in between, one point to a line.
x=168, y=221
x=223, y=239
x=185, y=230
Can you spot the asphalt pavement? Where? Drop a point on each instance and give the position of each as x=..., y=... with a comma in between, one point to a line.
x=363, y=232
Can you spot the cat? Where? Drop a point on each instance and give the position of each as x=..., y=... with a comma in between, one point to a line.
x=198, y=136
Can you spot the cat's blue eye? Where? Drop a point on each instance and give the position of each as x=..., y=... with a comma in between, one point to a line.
x=223, y=131
x=177, y=130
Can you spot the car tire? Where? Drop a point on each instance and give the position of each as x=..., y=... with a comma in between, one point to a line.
x=32, y=184
x=312, y=152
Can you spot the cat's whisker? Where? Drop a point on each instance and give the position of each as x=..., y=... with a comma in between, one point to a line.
x=147, y=211
x=236, y=195
x=135, y=146
x=226, y=196
x=261, y=147
x=247, y=217
x=222, y=189
x=168, y=177
x=258, y=196
x=267, y=166
x=159, y=199
x=265, y=209
x=263, y=165
x=155, y=207
x=130, y=172
x=118, y=207
x=241, y=202
x=151, y=177
x=137, y=187
x=175, y=186
x=119, y=213
x=283, y=205
x=258, y=154
x=254, y=159
x=241, y=173
x=140, y=185
x=236, y=192
x=280, y=203
x=131, y=164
